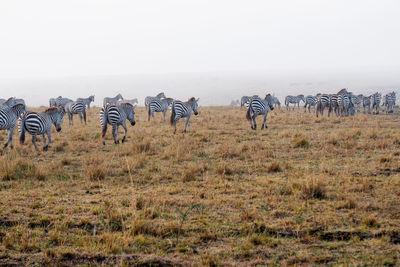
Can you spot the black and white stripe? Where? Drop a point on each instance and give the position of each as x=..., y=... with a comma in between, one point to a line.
x=183, y=109
x=257, y=107
x=59, y=101
x=86, y=101
x=76, y=107
x=116, y=115
x=310, y=102
x=376, y=101
x=159, y=105
x=366, y=102
x=8, y=119
x=148, y=99
x=290, y=99
x=389, y=102
x=40, y=123
x=346, y=106
x=322, y=102
x=333, y=104
x=245, y=100
x=112, y=100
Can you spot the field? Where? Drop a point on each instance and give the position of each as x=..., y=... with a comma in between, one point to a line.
x=305, y=191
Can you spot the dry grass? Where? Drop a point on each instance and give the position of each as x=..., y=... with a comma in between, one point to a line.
x=305, y=191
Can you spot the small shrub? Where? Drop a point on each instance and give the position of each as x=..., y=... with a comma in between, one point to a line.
x=274, y=167
x=301, y=142
x=371, y=222
x=95, y=173
x=313, y=188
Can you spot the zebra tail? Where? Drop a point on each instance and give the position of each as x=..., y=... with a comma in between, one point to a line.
x=22, y=129
x=103, y=121
x=248, y=113
x=172, y=114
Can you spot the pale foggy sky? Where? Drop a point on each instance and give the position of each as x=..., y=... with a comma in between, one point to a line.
x=49, y=46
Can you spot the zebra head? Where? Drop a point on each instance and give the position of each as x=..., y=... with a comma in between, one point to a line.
x=129, y=110
x=168, y=101
x=270, y=101
x=56, y=116
x=91, y=98
x=19, y=108
x=161, y=95
x=194, y=105
x=119, y=96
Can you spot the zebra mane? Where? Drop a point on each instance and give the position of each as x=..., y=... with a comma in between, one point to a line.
x=191, y=99
x=51, y=109
x=126, y=103
x=9, y=100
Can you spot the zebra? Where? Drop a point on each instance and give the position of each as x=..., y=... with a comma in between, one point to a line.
x=116, y=115
x=376, y=101
x=86, y=101
x=322, y=102
x=52, y=102
x=357, y=100
x=333, y=104
x=310, y=101
x=293, y=100
x=183, y=109
x=276, y=102
x=59, y=101
x=157, y=105
x=40, y=123
x=132, y=101
x=346, y=106
x=76, y=107
x=112, y=100
x=148, y=99
x=9, y=102
x=366, y=102
x=245, y=100
x=389, y=102
x=8, y=119
x=2, y=100
x=257, y=107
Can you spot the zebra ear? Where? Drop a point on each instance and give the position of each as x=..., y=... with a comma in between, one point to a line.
x=197, y=100
x=133, y=107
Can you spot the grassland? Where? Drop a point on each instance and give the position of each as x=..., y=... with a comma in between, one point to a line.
x=306, y=191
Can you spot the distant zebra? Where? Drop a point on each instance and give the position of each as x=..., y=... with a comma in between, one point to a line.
x=9, y=102
x=257, y=107
x=333, y=104
x=346, y=106
x=367, y=103
x=148, y=99
x=116, y=115
x=183, y=109
x=8, y=119
x=310, y=101
x=276, y=101
x=59, y=101
x=86, y=101
x=293, y=100
x=389, y=102
x=376, y=101
x=132, y=101
x=52, y=102
x=76, y=107
x=357, y=100
x=323, y=102
x=40, y=123
x=245, y=100
x=112, y=100
x=157, y=105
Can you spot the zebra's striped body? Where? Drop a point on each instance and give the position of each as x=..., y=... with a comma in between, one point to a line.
x=333, y=104
x=8, y=119
x=159, y=105
x=2, y=100
x=76, y=107
x=86, y=101
x=323, y=102
x=116, y=115
x=346, y=106
x=276, y=101
x=367, y=103
x=112, y=100
x=257, y=107
x=148, y=99
x=245, y=100
x=293, y=100
x=389, y=102
x=310, y=101
x=183, y=110
x=357, y=100
x=376, y=101
x=40, y=123
x=59, y=101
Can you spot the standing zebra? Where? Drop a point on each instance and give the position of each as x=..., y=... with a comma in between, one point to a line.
x=86, y=101
x=376, y=101
x=245, y=100
x=76, y=107
x=322, y=103
x=8, y=119
x=333, y=104
x=389, y=102
x=357, y=100
x=367, y=103
x=112, y=100
x=310, y=101
x=52, y=102
x=257, y=107
x=157, y=105
x=60, y=101
x=183, y=109
x=276, y=102
x=293, y=100
x=148, y=99
x=116, y=115
x=40, y=123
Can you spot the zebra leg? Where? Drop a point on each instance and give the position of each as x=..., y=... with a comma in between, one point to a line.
x=84, y=116
x=164, y=114
x=265, y=118
x=186, y=124
x=9, y=141
x=34, y=141
x=80, y=117
x=254, y=121
x=175, y=121
x=45, y=146
x=126, y=130
x=103, y=133
x=114, y=135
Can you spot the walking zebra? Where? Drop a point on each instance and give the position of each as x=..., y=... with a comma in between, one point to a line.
x=76, y=107
x=333, y=104
x=157, y=105
x=183, y=109
x=132, y=101
x=86, y=101
x=148, y=99
x=276, y=102
x=40, y=123
x=367, y=103
x=112, y=100
x=346, y=106
x=257, y=107
x=310, y=101
x=245, y=100
x=357, y=100
x=376, y=101
x=59, y=101
x=116, y=115
x=322, y=102
x=389, y=102
x=294, y=100
x=8, y=119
